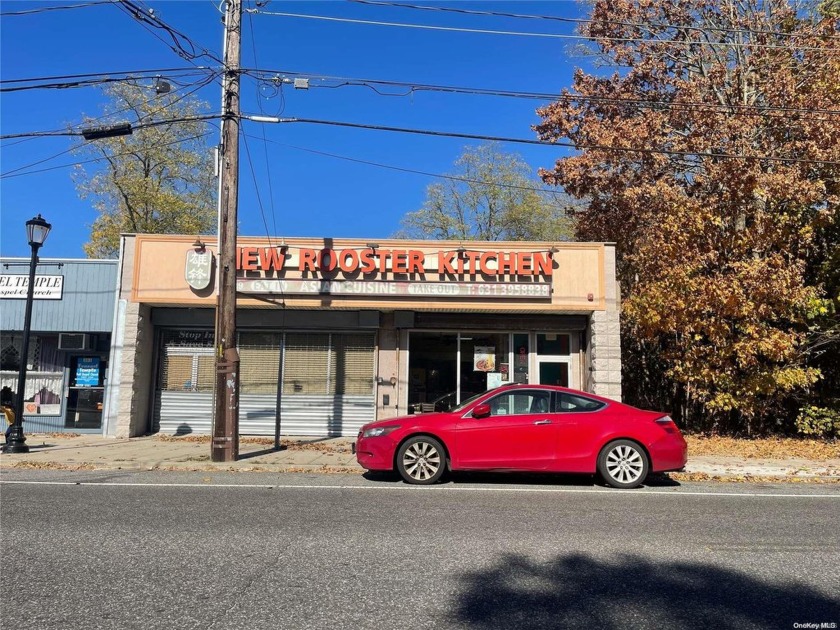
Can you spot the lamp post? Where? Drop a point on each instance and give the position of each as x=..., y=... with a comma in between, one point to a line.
x=36, y=230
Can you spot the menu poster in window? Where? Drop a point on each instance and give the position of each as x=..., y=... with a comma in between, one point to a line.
x=494, y=379
x=87, y=372
x=504, y=368
x=484, y=359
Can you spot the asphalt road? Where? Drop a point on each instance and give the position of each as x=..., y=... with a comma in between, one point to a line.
x=227, y=551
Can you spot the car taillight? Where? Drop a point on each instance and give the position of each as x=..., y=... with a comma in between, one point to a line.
x=667, y=423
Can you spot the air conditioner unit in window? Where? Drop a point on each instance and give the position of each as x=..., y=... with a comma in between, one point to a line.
x=73, y=341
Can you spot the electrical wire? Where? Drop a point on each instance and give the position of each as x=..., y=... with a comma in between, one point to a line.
x=102, y=79
x=265, y=145
x=544, y=35
x=88, y=75
x=542, y=96
x=88, y=123
x=411, y=170
x=702, y=29
x=99, y=159
x=154, y=123
x=148, y=18
x=256, y=187
x=52, y=157
x=427, y=132
x=57, y=8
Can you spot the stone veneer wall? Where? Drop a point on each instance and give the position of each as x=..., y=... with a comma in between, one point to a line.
x=136, y=355
x=604, y=337
x=133, y=411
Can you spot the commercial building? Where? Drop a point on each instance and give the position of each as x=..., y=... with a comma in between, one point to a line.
x=334, y=333
x=70, y=339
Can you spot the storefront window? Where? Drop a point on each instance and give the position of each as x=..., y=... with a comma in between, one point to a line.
x=188, y=363
x=432, y=372
x=332, y=364
x=484, y=362
x=44, y=376
x=351, y=364
x=305, y=364
x=447, y=368
x=259, y=362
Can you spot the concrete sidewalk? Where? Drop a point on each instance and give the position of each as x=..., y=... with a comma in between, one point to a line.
x=323, y=455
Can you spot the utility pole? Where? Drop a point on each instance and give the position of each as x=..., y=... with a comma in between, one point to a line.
x=225, y=447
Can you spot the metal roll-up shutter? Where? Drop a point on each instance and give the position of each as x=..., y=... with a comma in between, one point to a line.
x=259, y=373
x=184, y=397
x=328, y=384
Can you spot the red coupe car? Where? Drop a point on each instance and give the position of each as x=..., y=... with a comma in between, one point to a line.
x=527, y=428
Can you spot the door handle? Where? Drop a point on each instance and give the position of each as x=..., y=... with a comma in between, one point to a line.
x=543, y=422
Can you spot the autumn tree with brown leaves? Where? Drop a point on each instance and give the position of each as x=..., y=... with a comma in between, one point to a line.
x=711, y=156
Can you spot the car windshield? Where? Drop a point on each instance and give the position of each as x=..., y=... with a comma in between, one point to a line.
x=466, y=402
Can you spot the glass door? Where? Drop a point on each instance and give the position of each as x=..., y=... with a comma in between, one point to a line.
x=86, y=393
x=554, y=359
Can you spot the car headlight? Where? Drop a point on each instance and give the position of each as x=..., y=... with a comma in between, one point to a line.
x=378, y=431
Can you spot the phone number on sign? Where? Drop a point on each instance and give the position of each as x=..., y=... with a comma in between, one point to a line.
x=514, y=290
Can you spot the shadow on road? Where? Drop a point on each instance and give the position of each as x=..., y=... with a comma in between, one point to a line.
x=578, y=591
x=655, y=480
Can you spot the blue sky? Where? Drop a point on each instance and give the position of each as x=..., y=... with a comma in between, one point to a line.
x=301, y=193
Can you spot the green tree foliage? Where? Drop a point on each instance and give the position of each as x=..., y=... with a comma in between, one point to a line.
x=158, y=180
x=491, y=197
x=729, y=265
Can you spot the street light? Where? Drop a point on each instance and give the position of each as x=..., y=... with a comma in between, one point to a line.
x=36, y=230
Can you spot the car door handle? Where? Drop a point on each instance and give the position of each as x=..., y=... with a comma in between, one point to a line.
x=543, y=422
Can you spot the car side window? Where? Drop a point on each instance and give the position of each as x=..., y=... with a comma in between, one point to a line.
x=571, y=403
x=519, y=403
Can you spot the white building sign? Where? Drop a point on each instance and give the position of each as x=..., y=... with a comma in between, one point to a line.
x=46, y=287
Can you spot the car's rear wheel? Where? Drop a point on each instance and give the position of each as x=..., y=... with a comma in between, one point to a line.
x=421, y=460
x=623, y=464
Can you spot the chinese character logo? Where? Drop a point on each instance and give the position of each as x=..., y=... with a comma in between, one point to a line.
x=199, y=269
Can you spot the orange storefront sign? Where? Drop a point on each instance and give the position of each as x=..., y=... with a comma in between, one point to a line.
x=397, y=261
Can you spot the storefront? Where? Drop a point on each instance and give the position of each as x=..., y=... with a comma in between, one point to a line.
x=69, y=343
x=336, y=333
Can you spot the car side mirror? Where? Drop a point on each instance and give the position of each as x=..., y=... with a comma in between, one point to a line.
x=481, y=411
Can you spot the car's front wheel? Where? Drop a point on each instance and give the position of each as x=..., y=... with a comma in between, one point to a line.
x=422, y=460
x=623, y=464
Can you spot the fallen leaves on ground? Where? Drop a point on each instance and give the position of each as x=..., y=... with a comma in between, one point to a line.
x=765, y=448
x=753, y=478
x=323, y=445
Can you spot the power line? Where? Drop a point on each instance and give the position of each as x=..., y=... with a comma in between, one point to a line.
x=702, y=29
x=265, y=145
x=52, y=157
x=148, y=18
x=99, y=79
x=542, y=96
x=256, y=187
x=12, y=174
x=542, y=35
x=91, y=120
x=106, y=74
x=57, y=8
x=155, y=123
x=76, y=84
x=110, y=114
x=411, y=170
x=427, y=132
